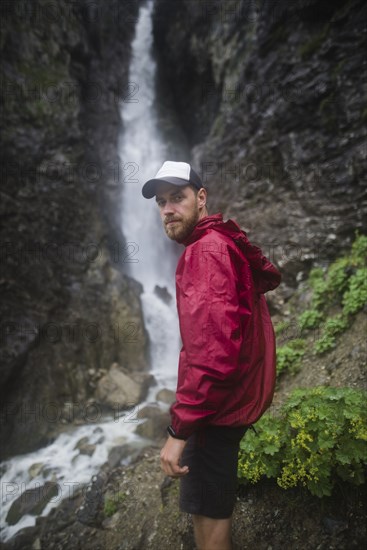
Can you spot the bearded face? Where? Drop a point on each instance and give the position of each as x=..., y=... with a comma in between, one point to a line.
x=180, y=210
x=179, y=228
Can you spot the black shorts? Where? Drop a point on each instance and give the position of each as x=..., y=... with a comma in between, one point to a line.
x=209, y=489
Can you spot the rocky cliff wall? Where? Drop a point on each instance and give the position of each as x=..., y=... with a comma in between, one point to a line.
x=272, y=99
x=68, y=311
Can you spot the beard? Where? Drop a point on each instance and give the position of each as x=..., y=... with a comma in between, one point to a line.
x=183, y=228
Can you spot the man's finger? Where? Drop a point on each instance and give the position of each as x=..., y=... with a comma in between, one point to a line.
x=173, y=470
x=180, y=470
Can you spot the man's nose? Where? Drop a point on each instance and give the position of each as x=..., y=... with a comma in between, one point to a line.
x=168, y=208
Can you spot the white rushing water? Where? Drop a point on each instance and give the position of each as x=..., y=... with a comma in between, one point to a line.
x=153, y=256
x=60, y=462
x=153, y=261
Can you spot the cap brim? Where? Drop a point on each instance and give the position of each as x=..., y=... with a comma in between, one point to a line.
x=149, y=188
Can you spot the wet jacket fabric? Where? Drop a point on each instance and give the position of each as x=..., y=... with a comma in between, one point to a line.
x=226, y=371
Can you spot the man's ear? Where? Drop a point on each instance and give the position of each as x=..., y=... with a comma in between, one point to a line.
x=202, y=195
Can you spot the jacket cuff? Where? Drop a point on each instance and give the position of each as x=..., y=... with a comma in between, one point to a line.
x=172, y=433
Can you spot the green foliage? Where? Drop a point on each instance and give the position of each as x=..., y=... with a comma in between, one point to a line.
x=289, y=356
x=356, y=295
x=337, y=277
x=333, y=326
x=316, y=274
x=281, y=327
x=343, y=285
x=325, y=343
x=259, y=453
x=320, y=296
x=311, y=318
x=359, y=249
x=328, y=287
x=319, y=436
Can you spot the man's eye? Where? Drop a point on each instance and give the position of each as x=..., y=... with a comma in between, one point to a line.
x=178, y=197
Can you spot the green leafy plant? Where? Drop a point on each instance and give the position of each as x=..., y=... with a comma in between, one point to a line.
x=289, y=356
x=335, y=281
x=333, y=326
x=355, y=296
x=343, y=285
x=311, y=318
x=259, y=453
x=319, y=436
x=280, y=327
x=359, y=249
x=325, y=343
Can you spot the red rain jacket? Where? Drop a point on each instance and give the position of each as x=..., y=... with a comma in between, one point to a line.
x=226, y=372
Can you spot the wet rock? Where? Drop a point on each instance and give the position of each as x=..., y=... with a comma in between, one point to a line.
x=154, y=428
x=167, y=396
x=32, y=501
x=24, y=539
x=113, y=522
x=84, y=447
x=35, y=469
x=163, y=293
x=117, y=390
x=144, y=379
x=117, y=454
x=150, y=411
x=89, y=512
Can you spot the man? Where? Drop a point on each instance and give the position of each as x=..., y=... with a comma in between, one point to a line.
x=226, y=369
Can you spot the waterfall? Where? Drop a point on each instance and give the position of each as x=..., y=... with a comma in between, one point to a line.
x=151, y=259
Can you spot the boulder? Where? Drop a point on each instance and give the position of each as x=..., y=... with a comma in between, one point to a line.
x=154, y=428
x=163, y=293
x=32, y=501
x=167, y=396
x=120, y=453
x=117, y=454
x=118, y=390
x=84, y=447
x=150, y=411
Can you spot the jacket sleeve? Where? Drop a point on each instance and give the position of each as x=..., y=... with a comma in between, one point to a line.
x=212, y=325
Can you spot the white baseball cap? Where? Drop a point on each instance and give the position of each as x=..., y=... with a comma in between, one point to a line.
x=177, y=173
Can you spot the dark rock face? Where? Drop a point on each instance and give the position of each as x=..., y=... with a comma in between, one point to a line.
x=67, y=308
x=271, y=97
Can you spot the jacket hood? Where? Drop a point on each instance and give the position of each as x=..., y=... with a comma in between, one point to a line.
x=265, y=275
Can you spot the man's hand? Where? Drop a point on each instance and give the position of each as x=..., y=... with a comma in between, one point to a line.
x=170, y=457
